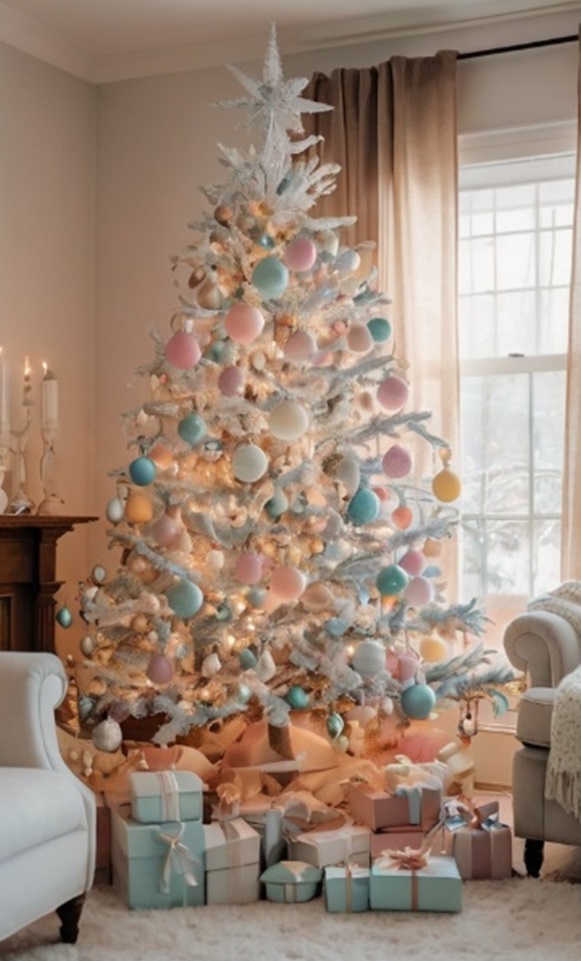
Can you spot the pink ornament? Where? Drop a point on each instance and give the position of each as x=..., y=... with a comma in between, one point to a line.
x=300, y=255
x=183, y=350
x=392, y=664
x=359, y=340
x=381, y=492
x=300, y=347
x=393, y=393
x=167, y=527
x=159, y=669
x=397, y=462
x=419, y=591
x=413, y=563
x=287, y=583
x=323, y=359
x=243, y=323
x=248, y=568
x=407, y=665
x=231, y=381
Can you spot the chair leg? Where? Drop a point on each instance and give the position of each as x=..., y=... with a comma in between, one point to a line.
x=70, y=914
x=533, y=856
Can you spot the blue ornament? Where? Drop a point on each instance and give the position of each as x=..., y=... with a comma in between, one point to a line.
x=256, y=596
x=142, y=471
x=244, y=693
x=277, y=504
x=336, y=626
x=185, y=598
x=335, y=725
x=270, y=277
x=192, y=429
x=391, y=580
x=431, y=571
x=64, y=617
x=215, y=351
x=266, y=241
x=417, y=701
x=380, y=329
x=297, y=697
x=223, y=613
x=247, y=659
x=86, y=705
x=364, y=506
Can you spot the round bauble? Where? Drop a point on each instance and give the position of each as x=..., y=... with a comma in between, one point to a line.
x=417, y=701
x=167, y=527
x=161, y=456
x=446, y=486
x=266, y=668
x=256, y=596
x=402, y=517
x=243, y=323
x=335, y=725
x=369, y=658
x=336, y=626
x=300, y=347
x=231, y=381
x=300, y=255
x=380, y=329
x=115, y=511
x=349, y=473
x=287, y=583
x=393, y=393
x=363, y=507
x=183, y=350
x=297, y=697
x=433, y=649
x=210, y=665
x=407, y=665
x=98, y=574
x=64, y=617
x=107, y=736
x=288, y=421
x=247, y=659
x=277, y=504
x=223, y=214
x=391, y=580
x=192, y=429
x=359, y=340
x=249, y=463
x=139, y=508
x=87, y=645
x=159, y=669
x=413, y=563
x=334, y=526
x=142, y=471
x=317, y=597
x=185, y=598
x=248, y=568
x=397, y=462
x=419, y=591
x=270, y=277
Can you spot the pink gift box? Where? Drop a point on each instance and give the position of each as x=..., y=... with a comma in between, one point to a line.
x=378, y=809
x=481, y=852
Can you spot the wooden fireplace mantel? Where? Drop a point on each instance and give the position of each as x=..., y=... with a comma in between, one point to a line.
x=28, y=547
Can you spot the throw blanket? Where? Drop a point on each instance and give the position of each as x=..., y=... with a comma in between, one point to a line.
x=563, y=778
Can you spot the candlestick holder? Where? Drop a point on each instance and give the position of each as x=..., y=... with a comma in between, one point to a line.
x=4, y=458
x=21, y=502
x=52, y=503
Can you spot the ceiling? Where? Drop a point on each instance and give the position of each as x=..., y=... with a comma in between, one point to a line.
x=109, y=39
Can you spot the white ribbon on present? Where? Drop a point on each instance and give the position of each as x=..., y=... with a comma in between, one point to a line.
x=169, y=791
x=178, y=858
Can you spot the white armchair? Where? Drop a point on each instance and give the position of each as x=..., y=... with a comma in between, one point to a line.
x=47, y=816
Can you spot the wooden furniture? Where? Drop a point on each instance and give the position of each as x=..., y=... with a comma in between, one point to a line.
x=28, y=582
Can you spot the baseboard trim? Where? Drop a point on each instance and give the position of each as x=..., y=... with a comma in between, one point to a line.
x=492, y=787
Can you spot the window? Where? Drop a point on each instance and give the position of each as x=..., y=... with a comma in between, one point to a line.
x=515, y=236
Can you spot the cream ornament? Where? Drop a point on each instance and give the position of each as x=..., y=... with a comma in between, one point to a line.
x=211, y=665
x=265, y=668
x=107, y=735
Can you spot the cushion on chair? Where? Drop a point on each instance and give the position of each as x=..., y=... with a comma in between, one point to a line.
x=36, y=806
x=534, y=716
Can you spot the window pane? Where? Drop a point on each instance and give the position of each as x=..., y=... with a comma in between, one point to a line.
x=515, y=261
x=517, y=327
x=508, y=557
x=548, y=404
x=556, y=200
x=553, y=321
x=515, y=208
x=555, y=253
x=477, y=325
x=546, y=556
x=476, y=265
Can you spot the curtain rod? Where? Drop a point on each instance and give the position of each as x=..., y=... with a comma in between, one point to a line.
x=472, y=54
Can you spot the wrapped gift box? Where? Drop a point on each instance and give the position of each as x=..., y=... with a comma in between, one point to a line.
x=347, y=888
x=378, y=809
x=395, y=839
x=232, y=863
x=322, y=847
x=161, y=796
x=291, y=881
x=154, y=865
x=483, y=849
x=435, y=887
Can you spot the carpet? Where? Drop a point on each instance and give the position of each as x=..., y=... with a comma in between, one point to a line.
x=512, y=920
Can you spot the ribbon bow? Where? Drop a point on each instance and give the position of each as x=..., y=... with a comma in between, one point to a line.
x=484, y=817
x=408, y=859
x=178, y=857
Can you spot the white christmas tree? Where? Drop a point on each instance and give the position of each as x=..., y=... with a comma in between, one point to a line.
x=275, y=549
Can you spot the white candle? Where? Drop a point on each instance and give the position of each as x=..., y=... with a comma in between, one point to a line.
x=50, y=400
x=4, y=394
x=27, y=385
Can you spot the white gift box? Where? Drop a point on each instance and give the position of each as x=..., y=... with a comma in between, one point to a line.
x=232, y=862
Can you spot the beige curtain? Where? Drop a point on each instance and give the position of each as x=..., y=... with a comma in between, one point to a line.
x=571, y=507
x=393, y=130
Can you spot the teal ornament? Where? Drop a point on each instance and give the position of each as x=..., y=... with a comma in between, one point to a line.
x=299, y=505
x=64, y=617
x=247, y=659
x=284, y=184
x=142, y=471
x=336, y=626
x=277, y=504
x=216, y=351
x=256, y=596
x=391, y=580
x=223, y=613
x=86, y=705
x=364, y=506
x=297, y=697
x=380, y=329
x=335, y=725
x=266, y=241
x=244, y=693
x=431, y=571
x=185, y=598
x=192, y=429
x=417, y=701
x=270, y=277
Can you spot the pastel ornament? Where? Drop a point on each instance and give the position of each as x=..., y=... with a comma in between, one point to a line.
x=256, y=596
x=249, y=463
x=270, y=277
x=419, y=591
x=363, y=507
x=393, y=393
x=248, y=568
x=287, y=583
x=87, y=645
x=397, y=462
x=288, y=421
x=183, y=350
x=335, y=725
x=380, y=329
x=211, y=665
x=407, y=665
x=167, y=527
x=231, y=381
x=317, y=597
x=413, y=562
x=115, y=511
x=243, y=323
x=160, y=669
x=192, y=429
x=184, y=598
x=417, y=701
x=277, y=504
x=300, y=254
x=161, y=456
x=300, y=347
x=247, y=659
x=107, y=736
x=142, y=471
x=336, y=626
x=402, y=517
x=433, y=649
x=391, y=580
x=359, y=340
x=348, y=473
x=446, y=486
x=369, y=658
x=297, y=697
x=64, y=617
x=266, y=667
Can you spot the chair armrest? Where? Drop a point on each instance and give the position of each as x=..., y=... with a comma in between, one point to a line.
x=544, y=645
x=31, y=687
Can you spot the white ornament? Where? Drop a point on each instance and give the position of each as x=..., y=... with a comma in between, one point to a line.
x=87, y=645
x=265, y=668
x=288, y=421
x=369, y=658
x=249, y=463
x=114, y=511
x=349, y=473
x=107, y=736
x=99, y=574
x=211, y=665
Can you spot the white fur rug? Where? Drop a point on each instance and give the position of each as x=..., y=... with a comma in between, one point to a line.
x=516, y=920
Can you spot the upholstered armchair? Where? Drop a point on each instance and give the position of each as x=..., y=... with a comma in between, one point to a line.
x=545, y=646
x=47, y=816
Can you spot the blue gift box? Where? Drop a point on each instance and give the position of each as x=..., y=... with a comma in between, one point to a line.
x=435, y=887
x=161, y=796
x=157, y=866
x=291, y=881
x=347, y=888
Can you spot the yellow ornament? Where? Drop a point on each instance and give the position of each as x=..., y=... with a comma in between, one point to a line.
x=433, y=649
x=446, y=486
x=138, y=509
